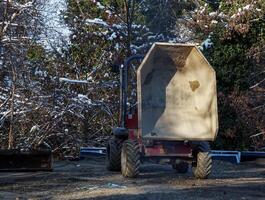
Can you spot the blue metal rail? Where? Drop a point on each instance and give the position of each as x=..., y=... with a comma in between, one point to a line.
x=229, y=156
x=92, y=151
x=234, y=157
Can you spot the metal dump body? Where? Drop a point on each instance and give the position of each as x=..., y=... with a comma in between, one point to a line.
x=177, y=97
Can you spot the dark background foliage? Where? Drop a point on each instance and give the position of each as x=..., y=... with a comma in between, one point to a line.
x=68, y=96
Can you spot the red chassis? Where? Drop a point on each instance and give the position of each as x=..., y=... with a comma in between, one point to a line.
x=157, y=148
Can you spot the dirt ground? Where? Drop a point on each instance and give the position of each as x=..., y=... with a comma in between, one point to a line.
x=88, y=179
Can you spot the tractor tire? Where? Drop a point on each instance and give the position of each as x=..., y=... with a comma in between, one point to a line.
x=113, y=154
x=182, y=167
x=203, y=147
x=130, y=159
x=203, y=165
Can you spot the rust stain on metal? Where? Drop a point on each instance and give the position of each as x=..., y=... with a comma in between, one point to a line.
x=194, y=85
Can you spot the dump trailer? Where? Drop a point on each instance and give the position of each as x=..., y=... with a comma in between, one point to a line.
x=175, y=115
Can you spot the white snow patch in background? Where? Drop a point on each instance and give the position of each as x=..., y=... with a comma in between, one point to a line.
x=108, y=12
x=34, y=129
x=1, y=63
x=84, y=98
x=136, y=26
x=7, y=81
x=113, y=36
x=206, y=44
x=72, y=81
x=96, y=21
x=55, y=33
x=117, y=46
x=221, y=14
x=151, y=37
x=213, y=14
x=117, y=26
x=214, y=22
x=247, y=7
x=106, y=75
x=100, y=6
x=39, y=72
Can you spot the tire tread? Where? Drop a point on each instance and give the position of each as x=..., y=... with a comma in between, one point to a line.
x=130, y=152
x=113, y=157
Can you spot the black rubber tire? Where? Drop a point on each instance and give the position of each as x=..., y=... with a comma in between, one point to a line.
x=200, y=147
x=130, y=159
x=202, y=167
x=182, y=167
x=204, y=147
x=113, y=154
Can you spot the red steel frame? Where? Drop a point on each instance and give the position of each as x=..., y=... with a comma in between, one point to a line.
x=158, y=148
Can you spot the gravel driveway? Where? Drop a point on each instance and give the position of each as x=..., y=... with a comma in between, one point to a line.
x=88, y=179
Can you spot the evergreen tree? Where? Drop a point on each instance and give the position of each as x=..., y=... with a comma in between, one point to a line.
x=235, y=47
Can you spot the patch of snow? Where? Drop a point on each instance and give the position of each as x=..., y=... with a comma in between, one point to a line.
x=34, y=129
x=100, y=6
x=106, y=75
x=84, y=98
x=39, y=72
x=55, y=32
x=138, y=47
x=172, y=40
x=214, y=22
x=96, y=21
x=73, y=81
x=117, y=26
x=89, y=78
x=202, y=11
x=151, y=37
x=221, y=14
x=113, y=36
x=108, y=12
x=1, y=63
x=207, y=43
x=7, y=81
x=22, y=6
x=212, y=14
x=233, y=16
x=247, y=7
x=117, y=46
x=105, y=32
x=136, y=26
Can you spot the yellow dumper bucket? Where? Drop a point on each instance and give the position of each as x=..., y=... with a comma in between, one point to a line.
x=177, y=97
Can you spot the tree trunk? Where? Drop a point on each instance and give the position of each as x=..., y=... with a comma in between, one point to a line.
x=11, y=127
